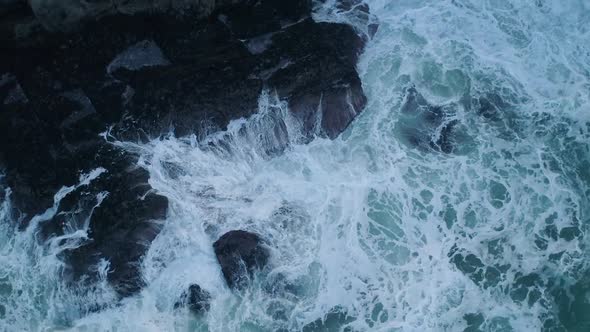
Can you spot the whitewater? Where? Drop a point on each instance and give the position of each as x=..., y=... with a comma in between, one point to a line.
x=370, y=231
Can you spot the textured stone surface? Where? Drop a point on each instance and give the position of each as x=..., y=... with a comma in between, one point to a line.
x=158, y=73
x=240, y=253
x=195, y=299
x=63, y=15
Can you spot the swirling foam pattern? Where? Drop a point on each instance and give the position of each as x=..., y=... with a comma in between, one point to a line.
x=372, y=232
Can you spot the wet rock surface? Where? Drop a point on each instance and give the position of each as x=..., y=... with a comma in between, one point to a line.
x=143, y=54
x=141, y=76
x=63, y=15
x=320, y=80
x=195, y=299
x=240, y=253
x=11, y=93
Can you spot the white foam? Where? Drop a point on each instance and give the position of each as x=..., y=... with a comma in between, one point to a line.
x=364, y=222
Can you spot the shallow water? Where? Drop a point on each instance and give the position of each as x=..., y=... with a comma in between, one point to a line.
x=373, y=231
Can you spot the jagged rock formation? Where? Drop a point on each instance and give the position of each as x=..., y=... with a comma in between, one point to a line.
x=240, y=253
x=143, y=75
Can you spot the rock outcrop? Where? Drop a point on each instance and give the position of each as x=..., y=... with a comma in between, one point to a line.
x=64, y=15
x=141, y=76
x=195, y=299
x=240, y=253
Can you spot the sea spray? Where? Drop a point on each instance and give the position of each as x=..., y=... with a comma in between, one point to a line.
x=369, y=232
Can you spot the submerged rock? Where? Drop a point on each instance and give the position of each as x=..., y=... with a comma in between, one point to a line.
x=195, y=299
x=240, y=253
x=430, y=127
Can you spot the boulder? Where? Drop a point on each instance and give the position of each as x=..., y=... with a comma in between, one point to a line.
x=240, y=253
x=320, y=81
x=195, y=299
x=143, y=54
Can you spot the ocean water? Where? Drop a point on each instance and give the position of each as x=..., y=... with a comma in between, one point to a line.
x=475, y=219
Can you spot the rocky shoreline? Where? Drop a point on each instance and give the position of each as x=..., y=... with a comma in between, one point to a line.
x=143, y=73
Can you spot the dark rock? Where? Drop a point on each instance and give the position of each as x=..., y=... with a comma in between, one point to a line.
x=143, y=54
x=17, y=22
x=120, y=229
x=253, y=18
x=164, y=73
x=11, y=93
x=229, y=93
x=64, y=15
x=83, y=107
x=195, y=299
x=50, y=140
x=11, y=9
x=319, y=74
x=301, y=68
x=10, y=5
x=268, y=132
x=240, y=253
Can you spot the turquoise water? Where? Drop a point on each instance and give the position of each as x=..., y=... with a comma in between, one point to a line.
x=471, y=219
